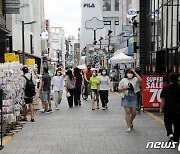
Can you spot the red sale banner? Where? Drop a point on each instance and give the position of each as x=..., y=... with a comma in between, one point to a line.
x=152, y=86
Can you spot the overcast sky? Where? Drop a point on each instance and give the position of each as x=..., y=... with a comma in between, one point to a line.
x=64, y=13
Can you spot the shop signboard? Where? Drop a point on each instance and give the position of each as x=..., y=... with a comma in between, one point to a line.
x=9, y=57
x=152, y=86
x=30, y=61
x=12, y=6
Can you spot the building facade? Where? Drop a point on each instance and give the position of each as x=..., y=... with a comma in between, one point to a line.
x=90, y=9
x=72, y=56
x=57, y=51
x=165, y=36
x=5, y=34
x=108, y=12
x=32, y=14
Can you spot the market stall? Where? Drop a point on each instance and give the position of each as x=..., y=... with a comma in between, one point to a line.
x=121, y=62
x=121, y=58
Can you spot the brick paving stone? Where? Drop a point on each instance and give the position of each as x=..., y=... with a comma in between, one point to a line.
x=82, y=131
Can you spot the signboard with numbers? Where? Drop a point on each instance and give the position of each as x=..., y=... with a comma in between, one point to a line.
x=152, y=86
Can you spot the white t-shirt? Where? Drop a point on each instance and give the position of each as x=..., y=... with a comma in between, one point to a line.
x=57, y=82
x=104, y=82
x=124, y=83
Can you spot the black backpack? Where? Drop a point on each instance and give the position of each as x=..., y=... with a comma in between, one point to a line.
x=30, y=87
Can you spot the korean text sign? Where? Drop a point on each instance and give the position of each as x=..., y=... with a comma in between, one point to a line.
x=152, y=86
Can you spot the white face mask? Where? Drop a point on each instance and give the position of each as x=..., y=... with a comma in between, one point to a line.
x=94, y=74
x=104, y=73
x=130, y=75
x=58, y=73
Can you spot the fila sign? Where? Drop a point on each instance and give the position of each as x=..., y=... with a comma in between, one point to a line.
x=89, y=5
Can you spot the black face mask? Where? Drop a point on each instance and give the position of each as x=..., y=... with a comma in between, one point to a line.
x=89, y=68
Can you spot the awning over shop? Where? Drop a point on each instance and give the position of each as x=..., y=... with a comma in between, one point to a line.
x=4, y=31
x=120, y=57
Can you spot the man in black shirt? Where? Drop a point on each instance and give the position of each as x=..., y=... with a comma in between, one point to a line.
x=46, y=89
x=170, y=106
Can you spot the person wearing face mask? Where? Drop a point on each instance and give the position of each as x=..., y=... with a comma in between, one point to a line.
x=57, y=86
x=94, y=81
x=129, y=87
x=87, y=76
x=104, y=84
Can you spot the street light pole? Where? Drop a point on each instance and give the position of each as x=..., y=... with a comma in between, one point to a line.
x=23, y=45
x=23, y=42
x=100, y=40
x=109, y=42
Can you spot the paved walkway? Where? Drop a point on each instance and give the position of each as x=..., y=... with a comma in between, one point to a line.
x=81, y=130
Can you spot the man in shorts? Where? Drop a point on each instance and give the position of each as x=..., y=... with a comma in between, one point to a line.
x=28, y=100
x=45, y=89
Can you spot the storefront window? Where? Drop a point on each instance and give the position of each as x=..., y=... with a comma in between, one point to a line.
x=116, y=5
x=107, y=5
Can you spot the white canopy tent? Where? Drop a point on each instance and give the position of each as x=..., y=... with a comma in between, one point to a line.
x=121, y=58
x=82, y=67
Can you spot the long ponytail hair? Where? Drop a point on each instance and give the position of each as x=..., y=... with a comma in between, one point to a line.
x=70, y=75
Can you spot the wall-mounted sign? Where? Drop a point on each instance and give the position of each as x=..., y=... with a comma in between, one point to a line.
x=89, y=5
x=44, y=35
x=47, y=25
x=12, y=6
x=131, y=13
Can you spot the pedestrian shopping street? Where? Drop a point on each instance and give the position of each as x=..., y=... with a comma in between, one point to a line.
x=80, y=130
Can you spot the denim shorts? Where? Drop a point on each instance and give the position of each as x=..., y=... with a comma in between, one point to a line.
x=46, y=96
x=94, y=91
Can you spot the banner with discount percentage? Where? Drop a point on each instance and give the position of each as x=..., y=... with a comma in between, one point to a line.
x=152, y=86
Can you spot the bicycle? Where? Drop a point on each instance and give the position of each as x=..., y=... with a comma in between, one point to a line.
x=85, y=95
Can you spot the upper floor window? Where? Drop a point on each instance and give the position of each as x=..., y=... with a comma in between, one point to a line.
x=116, y=22
x=107, y=22
x=107, y=5
x=116, y=5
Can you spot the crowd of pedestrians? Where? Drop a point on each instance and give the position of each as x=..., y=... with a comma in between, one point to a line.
x=97, y=84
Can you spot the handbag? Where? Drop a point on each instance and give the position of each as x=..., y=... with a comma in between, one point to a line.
x=68, y=94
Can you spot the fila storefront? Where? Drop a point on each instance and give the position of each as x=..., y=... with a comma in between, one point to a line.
x=90, y=9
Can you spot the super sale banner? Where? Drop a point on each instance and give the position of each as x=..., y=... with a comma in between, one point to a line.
x=152, y=86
